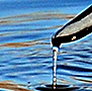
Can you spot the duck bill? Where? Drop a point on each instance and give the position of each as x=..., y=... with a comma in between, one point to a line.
x=75, y=29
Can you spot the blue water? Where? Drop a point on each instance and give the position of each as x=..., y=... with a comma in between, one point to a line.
x=26, y=27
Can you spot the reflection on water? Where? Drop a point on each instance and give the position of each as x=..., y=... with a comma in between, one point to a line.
x=26, y=54
x=12, y=86
x=34, y=17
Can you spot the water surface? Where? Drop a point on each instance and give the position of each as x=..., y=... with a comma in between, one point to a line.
x=25, y=50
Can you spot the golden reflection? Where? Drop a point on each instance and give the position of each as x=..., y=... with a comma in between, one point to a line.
x=34, y=17
x=12, y=86
x=16, y=45
x=25, y=44
x=85, y=80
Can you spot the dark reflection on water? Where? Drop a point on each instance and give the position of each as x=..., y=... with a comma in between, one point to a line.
x=26, y=54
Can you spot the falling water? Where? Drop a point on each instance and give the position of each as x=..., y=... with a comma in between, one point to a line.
x=26, y=27
x=55, y=51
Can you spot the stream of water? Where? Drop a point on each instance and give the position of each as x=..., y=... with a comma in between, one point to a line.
x=26, y=27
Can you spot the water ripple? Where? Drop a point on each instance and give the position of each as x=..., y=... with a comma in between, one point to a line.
x=26, y=54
